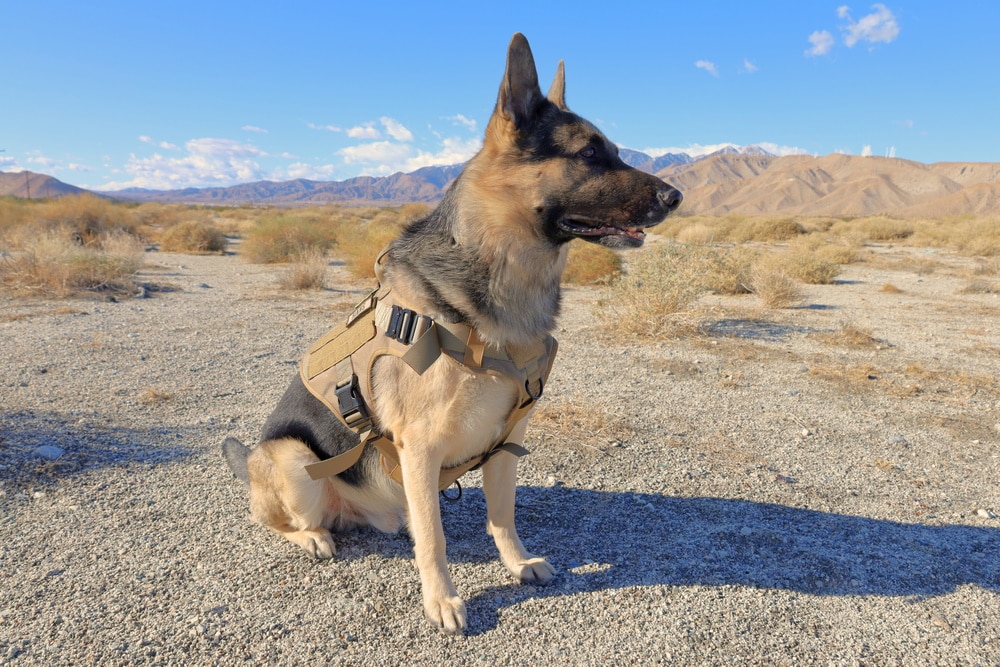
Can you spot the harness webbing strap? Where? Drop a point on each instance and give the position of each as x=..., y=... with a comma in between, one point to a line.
x=337, y=370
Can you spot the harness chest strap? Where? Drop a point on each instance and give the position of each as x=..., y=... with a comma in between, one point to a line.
x=337, y=370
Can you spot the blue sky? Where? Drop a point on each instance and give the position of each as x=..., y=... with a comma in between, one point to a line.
x=190, y=94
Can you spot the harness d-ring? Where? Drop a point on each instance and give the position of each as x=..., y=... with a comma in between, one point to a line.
x=541, y=388
x=455, y=498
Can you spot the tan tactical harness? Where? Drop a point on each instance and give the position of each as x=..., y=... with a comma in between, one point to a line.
x=337, y=370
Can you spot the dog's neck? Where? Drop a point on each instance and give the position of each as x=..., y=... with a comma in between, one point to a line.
x=470, y=264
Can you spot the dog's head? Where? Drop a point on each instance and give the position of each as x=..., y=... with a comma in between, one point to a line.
x=563, y=166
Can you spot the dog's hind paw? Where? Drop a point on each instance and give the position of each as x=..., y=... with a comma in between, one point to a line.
x=534, y=570
x=448, y=614
x=318, y=542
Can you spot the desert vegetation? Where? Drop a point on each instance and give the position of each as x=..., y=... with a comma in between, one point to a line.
x=86, y=244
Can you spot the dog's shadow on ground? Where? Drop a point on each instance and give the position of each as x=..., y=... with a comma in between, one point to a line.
x=605, y=540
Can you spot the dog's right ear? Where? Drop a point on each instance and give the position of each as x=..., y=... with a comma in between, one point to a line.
x=520, y=95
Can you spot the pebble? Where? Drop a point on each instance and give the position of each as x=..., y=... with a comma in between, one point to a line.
x=985, y=514
x=49, y=452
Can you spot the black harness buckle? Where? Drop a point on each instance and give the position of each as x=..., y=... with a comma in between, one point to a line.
x=349, y=402
x=406, y=325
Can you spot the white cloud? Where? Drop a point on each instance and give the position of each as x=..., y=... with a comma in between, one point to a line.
x=165, y=145
x=879, y=26
x=776, y=149
x=208, y=162
x=253, y=128
x=749, y=67
x=459, y=119
x=395, y=129
x=381, y=158
x=375, y=153
x=311, y=172
x=707, y=66
x=453, y=151
x=366, y=131
x=9, y=164
x=325, y=128
x=822, y=41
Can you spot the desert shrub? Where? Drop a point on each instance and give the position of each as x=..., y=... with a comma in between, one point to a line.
x=59, y=265
x=87, y=218
x=193, y=236
x=727, y=270
x=877, y=228
x=774, y=287
x=982, y=239
x=765, y=229
x=363, y=239
x=308, y=270
x=276, y=238
x=590, y=264
x=653, y=296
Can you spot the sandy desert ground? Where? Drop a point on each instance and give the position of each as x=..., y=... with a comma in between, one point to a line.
x=768, y=490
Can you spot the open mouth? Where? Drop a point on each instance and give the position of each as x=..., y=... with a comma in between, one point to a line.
x=593, y=230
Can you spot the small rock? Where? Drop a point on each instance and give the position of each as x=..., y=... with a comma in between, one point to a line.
x=38, y=495
x=49, y=452
x=985, y=514
x=806, y=433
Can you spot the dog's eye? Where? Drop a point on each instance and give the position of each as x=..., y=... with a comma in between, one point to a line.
x=588, y=152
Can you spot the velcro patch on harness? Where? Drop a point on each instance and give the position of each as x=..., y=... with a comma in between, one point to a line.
x=339, y=344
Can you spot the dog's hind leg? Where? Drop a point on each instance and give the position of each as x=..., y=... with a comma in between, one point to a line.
x=499, y=487
x=285, y=499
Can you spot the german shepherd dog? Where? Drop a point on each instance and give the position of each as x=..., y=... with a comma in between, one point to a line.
x=490, y=256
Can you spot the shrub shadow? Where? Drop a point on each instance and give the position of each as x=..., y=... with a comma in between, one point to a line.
x=604, y=540
x=39, y=448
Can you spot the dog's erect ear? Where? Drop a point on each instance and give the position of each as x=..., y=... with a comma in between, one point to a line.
x=519, y=92
x=557, y=91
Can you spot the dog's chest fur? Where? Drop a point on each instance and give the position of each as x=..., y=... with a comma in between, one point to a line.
x=450, y=411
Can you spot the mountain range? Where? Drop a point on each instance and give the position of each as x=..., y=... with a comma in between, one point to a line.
x=734, y=180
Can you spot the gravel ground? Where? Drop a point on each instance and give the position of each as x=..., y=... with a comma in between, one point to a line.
x=755, y=493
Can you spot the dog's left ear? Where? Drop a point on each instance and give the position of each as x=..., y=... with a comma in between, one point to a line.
x=557, y=91
x=519, y=92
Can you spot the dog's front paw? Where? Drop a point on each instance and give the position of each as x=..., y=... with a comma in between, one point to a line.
x=446, y=613
x=533, y=570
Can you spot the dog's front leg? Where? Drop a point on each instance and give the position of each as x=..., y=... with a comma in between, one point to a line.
x=443, y=606
x=499, y=487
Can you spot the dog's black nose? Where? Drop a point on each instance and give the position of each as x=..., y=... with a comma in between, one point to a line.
x=670, y=199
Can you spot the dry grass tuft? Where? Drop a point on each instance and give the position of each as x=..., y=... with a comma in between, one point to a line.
x=850, y=336
x=153, y=396
x=889, y=288
x=981, y=286
x=591, y=264
x=193, y=236
x=308, y=270
x=565, y=422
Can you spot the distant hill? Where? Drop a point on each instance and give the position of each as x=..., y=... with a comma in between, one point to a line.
x=29, y=185
x=739, y=180
x=835, y=185
x=424, y=185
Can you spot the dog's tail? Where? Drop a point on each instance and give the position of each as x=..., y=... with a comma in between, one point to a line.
x=236, y=456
